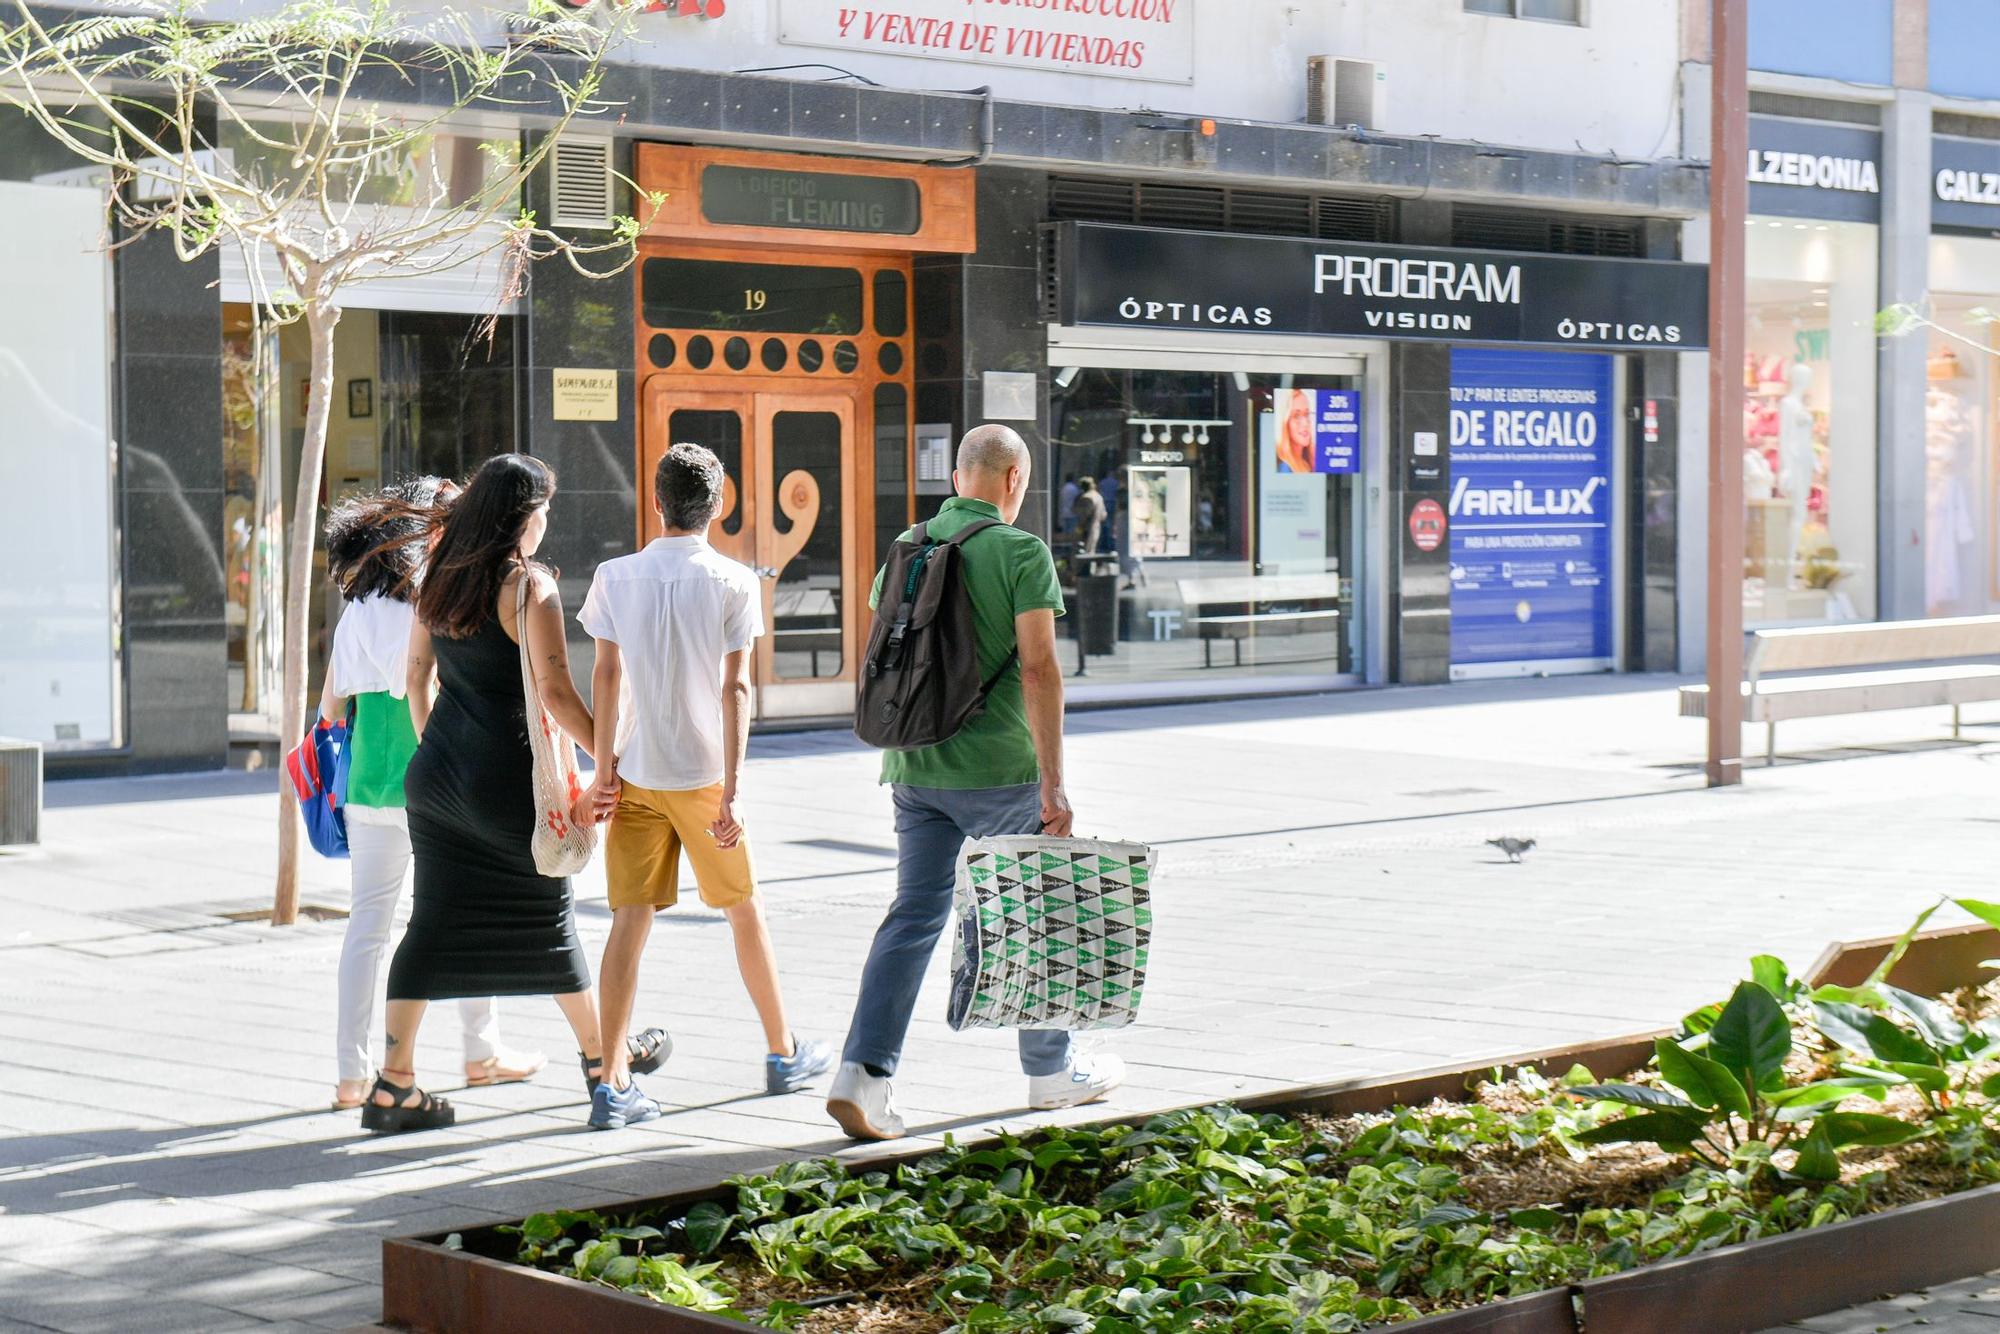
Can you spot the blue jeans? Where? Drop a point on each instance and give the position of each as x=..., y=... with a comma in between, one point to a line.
x=932, y=824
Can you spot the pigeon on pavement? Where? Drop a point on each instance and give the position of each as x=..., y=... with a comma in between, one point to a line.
x=1515, y=848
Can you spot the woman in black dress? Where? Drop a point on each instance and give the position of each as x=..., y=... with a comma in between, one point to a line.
x=485, y=922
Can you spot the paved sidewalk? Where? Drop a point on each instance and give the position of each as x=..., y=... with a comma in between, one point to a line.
x=1327, y=908
x=1970, y=1306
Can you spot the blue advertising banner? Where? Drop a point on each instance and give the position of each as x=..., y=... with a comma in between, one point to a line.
x=1337, y=431
x=1319, y=431
x=1531, y=506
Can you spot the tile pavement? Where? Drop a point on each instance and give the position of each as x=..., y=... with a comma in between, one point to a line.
x=1327, y=909
x=1971, y=1306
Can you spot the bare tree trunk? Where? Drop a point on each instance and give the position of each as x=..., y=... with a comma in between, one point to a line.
x=321, y=317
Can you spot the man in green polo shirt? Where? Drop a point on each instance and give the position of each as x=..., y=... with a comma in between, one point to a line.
x=1001, y=774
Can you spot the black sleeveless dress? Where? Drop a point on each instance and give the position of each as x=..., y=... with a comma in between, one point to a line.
x=484, y=921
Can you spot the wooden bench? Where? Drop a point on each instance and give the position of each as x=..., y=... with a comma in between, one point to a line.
x=1275, y=594
x=1817, y=648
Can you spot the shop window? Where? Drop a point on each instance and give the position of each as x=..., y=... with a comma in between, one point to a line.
x=1205, y=522
x=1532, y=593
x=446, y=397
x=1809, y=440
x=1961, y=447
x=253, y=518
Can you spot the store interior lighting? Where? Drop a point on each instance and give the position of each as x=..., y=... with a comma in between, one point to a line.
x=1242, y=381
x=1164, y=430
x=1066, y=376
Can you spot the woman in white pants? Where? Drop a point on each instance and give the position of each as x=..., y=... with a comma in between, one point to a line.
x=374, y=547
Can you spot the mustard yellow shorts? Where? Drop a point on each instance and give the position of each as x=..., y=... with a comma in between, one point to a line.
x=642, y=850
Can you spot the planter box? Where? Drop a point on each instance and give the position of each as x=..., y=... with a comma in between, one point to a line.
x=1749, y=1287
x=1741, y=1289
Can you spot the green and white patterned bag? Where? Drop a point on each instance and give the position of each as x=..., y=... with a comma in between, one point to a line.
x=1052, y=933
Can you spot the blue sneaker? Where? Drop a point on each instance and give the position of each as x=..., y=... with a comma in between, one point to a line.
x=612, y=1108
x=809, y=1060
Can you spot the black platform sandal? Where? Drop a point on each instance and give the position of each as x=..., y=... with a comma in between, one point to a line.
x=645, y=1052
x=426, y=1113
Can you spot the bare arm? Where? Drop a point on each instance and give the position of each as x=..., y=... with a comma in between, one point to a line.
x=548, y=651
x=607, y=677
x=735, y=742
x=420, y=677
x=332, y=706
x=1042, y=696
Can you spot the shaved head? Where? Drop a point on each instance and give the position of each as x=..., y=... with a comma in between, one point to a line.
x=991, y=450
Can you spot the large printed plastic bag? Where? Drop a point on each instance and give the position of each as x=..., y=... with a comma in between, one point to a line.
x=1050, y=933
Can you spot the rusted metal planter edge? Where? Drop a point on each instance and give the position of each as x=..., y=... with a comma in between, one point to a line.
x=1759, y=1284
x=431, y=1289
x=1550, y=1312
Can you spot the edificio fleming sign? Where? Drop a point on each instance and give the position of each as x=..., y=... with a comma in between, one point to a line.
x=1135, y=277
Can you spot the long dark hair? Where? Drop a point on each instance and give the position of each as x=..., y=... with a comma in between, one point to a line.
x=480, y=542
x=375, y=543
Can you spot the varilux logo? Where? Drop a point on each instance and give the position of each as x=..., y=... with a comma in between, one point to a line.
x=1523, y=501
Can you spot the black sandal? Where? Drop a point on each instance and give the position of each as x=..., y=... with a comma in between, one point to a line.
x=645, y=1052
x=426, y=1113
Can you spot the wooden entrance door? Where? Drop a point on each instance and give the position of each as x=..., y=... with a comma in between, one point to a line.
x=795, y=368
x=791, y=512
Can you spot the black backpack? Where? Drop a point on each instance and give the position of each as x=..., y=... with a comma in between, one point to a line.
x=920, y=680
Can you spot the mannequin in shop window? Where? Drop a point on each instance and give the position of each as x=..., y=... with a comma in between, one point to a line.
x=1951, y=571
x=1795, y=455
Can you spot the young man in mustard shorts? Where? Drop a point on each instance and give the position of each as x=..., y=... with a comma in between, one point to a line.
x=674, y=625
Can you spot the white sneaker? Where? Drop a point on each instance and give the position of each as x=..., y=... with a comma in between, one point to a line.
x=1087, y=1079
x=863, y=1104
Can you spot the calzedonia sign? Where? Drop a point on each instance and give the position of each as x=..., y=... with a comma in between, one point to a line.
x=1133, y=277
x=1965, y=184
x=1811, y=169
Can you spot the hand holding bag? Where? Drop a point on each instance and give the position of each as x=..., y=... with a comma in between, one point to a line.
x=1051, y=933
x=561, y=846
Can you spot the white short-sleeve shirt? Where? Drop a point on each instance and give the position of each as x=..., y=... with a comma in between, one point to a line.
x=674, y=609
x=371, y=645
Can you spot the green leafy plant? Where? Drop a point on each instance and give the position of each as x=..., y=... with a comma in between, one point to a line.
x=1216, y=1221
x=1725, y=1096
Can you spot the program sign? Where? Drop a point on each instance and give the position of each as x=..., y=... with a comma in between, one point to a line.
x=1135, y=277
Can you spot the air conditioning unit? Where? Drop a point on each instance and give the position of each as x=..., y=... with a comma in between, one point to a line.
x=1347, y=93
x=580, y=182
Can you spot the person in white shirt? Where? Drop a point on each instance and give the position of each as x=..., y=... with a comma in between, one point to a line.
x=374, y=545
x=674, y=625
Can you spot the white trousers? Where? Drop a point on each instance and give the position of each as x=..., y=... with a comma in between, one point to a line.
x=378, y=845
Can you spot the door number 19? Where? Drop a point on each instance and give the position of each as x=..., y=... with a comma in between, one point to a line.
x=754, y=298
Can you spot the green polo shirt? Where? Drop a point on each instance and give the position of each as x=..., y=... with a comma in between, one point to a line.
x=1007, y=571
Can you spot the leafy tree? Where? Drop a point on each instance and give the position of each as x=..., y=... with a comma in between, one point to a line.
x=336, y=170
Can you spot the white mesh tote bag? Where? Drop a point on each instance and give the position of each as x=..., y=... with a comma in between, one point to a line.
x=561, y=846
x=1051, y=933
